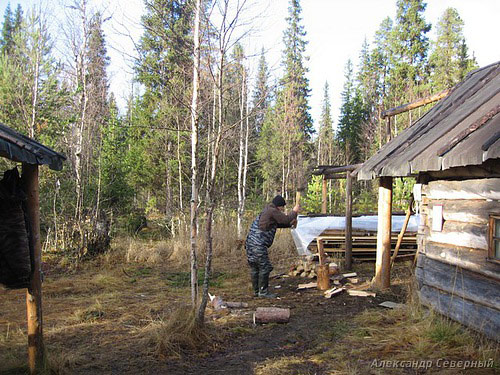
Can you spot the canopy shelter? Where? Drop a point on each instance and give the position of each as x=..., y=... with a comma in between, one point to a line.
x=330, y=172
x=459, y=138
x=31, y=154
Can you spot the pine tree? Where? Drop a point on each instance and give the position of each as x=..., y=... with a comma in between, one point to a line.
x=11, y=25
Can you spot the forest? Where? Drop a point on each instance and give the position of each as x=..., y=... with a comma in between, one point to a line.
x=202, y=145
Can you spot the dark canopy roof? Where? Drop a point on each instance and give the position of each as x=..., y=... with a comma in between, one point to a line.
x=20, y=148
x=463, y=129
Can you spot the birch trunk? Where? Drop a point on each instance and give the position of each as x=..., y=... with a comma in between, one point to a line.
x=194, y=147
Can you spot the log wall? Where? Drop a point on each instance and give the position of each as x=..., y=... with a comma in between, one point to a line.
x=453, y=273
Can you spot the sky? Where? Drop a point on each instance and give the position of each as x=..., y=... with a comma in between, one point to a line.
x=335, y=31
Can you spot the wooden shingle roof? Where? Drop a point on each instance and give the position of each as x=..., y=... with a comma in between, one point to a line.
x=18, y=147
x=463, y=129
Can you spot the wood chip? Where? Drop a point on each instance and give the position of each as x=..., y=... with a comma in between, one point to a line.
x=331, y=292
x=307, y=286
x=360, y=293
x=391, y=305
x=352, y=274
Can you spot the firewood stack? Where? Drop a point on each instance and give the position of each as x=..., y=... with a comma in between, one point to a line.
x=306, y=267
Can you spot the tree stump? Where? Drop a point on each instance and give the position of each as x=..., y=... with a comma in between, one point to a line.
x=323, y=273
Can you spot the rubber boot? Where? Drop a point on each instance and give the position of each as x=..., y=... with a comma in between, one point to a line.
x=254, y=273
x=264, y=286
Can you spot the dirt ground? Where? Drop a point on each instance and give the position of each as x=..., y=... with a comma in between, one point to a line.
x=95, y=320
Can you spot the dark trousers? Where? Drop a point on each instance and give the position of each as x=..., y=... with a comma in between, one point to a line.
x=260, y=268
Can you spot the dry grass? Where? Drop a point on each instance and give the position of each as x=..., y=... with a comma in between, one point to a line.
x=176, y=335
x=410, y=333
x=287, y=366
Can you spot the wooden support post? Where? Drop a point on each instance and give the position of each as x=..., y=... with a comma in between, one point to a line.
x=348, y=222
x=382, y=277
x=36, y=351
x=402, y=232
x=324, y=196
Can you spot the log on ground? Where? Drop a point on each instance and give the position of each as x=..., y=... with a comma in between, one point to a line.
x=271, y=315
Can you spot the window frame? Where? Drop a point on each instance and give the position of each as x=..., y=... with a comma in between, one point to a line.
x=492, y=237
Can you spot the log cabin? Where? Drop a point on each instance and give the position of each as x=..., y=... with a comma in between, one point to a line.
x=453, y=151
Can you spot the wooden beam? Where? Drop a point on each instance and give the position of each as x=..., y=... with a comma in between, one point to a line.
x=415, y=104
x=328, y=169
x=36, y=352
x=382, y=279
x=324, y=196
x=348, y=223
x=388, y=129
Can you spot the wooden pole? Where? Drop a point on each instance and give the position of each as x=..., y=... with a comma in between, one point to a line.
x=324, y=196
x=348, y=222
x=402, y=232
x=36, y=351
x=382, y=279
x=388, y=131
x=415, y=104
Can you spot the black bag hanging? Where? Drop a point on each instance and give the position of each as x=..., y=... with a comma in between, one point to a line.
x=15, y=261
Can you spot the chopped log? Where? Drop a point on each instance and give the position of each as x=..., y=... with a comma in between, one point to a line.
x=333, y=269
x=303, y=274
x=334, y=291
x=300, y=268
x=307, y=286
x=360, y=293
x=322, y=271
x=353, y=280
x=311, y=275
x=271, y=315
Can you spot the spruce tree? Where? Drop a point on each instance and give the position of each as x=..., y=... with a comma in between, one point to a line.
x=325, y=138
x=448, y=62
x=410, y=46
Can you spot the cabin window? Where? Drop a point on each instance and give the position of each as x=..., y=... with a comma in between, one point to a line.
x=494, y=253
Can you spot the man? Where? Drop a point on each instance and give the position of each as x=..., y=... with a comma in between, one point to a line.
x=261, y=237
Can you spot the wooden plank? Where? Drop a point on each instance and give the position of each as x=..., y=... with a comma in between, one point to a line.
x=458, y=281
x=461, y=234
x=360, y=293
x=476, y=316
x=474, y=211
x=487, y=188
x=307, y=286
x=470, y=259
x=36, y=350
x=382, y=279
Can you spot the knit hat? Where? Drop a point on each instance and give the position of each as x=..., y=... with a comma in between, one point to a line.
x=279, y=201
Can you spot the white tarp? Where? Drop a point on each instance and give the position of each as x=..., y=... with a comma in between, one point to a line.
x=308, y=228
